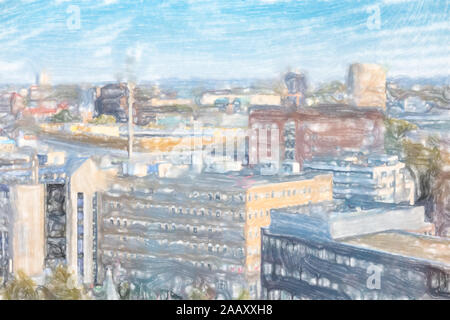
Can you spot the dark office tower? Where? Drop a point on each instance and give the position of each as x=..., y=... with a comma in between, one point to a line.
x=296, y=85
x=113, y=100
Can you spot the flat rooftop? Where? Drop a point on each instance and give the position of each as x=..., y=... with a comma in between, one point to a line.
x=215, y=181
x=405, y=244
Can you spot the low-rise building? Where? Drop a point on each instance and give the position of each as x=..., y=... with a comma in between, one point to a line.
x=380, y=178
x=302, y=261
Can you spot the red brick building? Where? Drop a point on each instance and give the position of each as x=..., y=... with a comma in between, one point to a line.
x=316, y=131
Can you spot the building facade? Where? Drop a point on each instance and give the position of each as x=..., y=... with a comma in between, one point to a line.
x=379, y=178
x=328, y=130
x=367, y=85
x=301, y=266
x=174, y=233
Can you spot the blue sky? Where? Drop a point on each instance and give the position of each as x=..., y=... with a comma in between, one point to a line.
x=154, y=39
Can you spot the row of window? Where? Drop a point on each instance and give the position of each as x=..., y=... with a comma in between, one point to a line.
x=202, y=212
x=289, y=249
x=284, y=193
x=302, y=250
x=304, y=275
x=218, y=196
x=254, y=214
x=163, y=226
x=205, y=247
x=198, y=264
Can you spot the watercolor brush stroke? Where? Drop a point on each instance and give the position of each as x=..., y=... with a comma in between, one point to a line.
x=238, y=150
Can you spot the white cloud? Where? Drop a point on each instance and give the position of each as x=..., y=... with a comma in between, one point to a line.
x=105, y=34
x=102, y=52
x=58, y=2
x=399, y=1
x=7, y=66
x=135, y=52
x=20, y=39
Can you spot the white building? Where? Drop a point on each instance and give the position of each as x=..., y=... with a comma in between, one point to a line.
x=380, y=178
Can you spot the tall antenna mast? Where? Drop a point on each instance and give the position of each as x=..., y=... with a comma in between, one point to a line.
x=131, y=87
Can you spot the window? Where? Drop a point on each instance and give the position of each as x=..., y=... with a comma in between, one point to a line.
x=195, y=229
x=218, y=213
x=80, y=233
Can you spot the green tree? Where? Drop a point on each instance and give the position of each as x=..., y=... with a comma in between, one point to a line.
x=243, y=295
x=64, y=116
x=425, y=162
x=197, y=294
x=21, y=287
x=60, y=285
x=396, y=130
x=104, y=119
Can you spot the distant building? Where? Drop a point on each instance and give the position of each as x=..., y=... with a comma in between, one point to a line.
x=245, y=97
x=7, y=144
x=380, y=178
x=17, y=103
x=5, y=103
x=367, y=85
x=113, y=100
x=43, y=78
x=297, y=86
x=324, y=130
x=174, y=232
x=301, y=261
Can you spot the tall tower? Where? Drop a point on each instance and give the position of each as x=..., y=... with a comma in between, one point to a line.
x=367, y=85
x=131, y=87
x=296, y=85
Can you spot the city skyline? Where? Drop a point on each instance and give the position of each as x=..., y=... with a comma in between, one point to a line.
x=151, y=40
